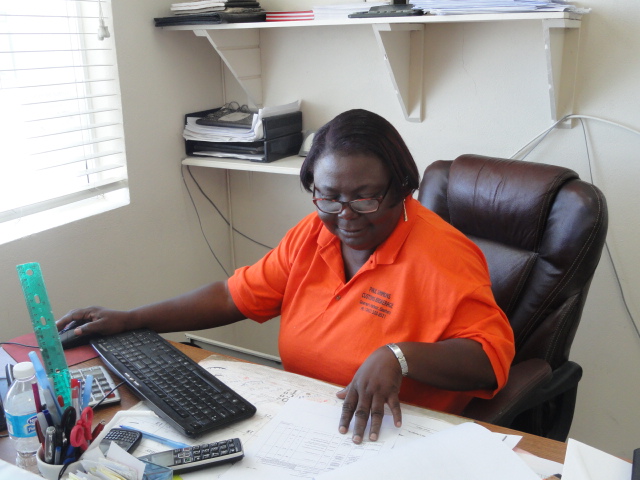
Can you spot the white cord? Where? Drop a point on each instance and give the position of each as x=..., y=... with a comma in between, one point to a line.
x=539, y=138
x=545, y=132
x=103, y=30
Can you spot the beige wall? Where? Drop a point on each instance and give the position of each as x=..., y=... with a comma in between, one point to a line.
x=485, y=92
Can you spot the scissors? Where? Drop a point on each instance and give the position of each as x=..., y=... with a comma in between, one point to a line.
x=68, y=421
x=81, y=432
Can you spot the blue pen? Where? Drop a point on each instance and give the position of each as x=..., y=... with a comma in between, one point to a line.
x=70, y=456
x=48, y=418
x=164, y=441
x=86, y=391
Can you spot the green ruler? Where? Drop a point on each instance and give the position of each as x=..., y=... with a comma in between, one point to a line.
x=44, y=326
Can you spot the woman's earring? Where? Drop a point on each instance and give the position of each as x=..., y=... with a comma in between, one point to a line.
x=404, y=209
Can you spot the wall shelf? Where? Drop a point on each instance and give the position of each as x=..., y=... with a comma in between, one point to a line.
x=287, y=166
x=401, y=42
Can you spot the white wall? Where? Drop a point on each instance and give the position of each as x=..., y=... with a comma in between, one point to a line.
x=152, y=248
x=485, y=92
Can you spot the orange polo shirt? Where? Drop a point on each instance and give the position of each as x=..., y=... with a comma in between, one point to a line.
x=427, y=282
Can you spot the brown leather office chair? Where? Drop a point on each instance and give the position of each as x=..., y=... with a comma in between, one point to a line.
x=542, y=231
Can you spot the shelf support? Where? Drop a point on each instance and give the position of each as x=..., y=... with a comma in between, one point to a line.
x=403, y=48
x=240, y=51
x=561, y=43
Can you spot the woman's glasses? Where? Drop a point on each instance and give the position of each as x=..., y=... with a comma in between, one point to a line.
x=361, y=205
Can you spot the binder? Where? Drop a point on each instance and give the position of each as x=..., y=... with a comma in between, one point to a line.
x=282, y=138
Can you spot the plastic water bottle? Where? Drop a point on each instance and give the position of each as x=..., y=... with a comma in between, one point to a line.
x=20, y=411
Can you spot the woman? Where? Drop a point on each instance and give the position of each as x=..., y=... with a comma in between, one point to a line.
x=371, y=288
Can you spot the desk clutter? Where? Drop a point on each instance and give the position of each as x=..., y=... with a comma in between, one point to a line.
x=234, y=11
x=234, y=131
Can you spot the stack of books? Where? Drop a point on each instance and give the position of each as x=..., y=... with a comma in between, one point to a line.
x=197, y=12
x=289, y=16
x=199, y=7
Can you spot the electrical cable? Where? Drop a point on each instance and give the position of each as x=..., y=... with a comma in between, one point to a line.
x=19, y=344
x=233, y=229
x=184, y=180
x=222, y=215
x=539, y=138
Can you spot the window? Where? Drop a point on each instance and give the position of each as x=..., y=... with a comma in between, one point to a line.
x=62, y=153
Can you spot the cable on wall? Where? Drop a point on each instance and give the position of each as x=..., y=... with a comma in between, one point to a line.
x=184, y=180
x=529, y=147
x=232, y=228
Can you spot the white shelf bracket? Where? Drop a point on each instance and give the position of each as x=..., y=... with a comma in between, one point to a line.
x=403, y=48
x=561, y=43
x=240, y=51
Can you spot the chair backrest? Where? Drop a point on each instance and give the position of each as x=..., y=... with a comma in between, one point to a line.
x=542, y=231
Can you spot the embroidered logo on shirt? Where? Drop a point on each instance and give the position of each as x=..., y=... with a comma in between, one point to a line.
x=376, y=302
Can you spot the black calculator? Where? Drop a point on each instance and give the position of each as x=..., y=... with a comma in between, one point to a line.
x=198, y=456
x=125, y=438
x=102, y=384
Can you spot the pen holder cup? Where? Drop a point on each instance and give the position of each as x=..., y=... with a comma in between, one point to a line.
x=48, y=471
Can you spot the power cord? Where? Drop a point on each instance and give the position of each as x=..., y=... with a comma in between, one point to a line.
x=539, y=138
x=188, y=169
x=19, y=344
x=200, y=221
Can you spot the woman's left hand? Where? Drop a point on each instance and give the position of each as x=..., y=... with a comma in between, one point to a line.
x=376, y=383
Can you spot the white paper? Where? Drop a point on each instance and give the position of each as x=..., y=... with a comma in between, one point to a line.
x=119, y=455
x=303, y=441
x=463, y=452
x=270, y=390
x=544, y=468
x=12, y=472
x=583, y=462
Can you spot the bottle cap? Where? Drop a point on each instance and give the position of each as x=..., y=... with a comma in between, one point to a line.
x=23, y=370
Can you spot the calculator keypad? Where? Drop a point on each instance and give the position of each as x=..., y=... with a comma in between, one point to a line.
x=102, y=384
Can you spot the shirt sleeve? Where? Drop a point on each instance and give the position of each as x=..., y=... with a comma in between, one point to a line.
x=258, y=290
x=478, y=318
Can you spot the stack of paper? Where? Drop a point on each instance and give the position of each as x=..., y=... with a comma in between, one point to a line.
x=203, y=133
x=341, y=11
x=461, y=7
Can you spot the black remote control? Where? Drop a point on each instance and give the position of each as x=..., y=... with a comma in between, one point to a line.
x=127, y=439
x=199, y=456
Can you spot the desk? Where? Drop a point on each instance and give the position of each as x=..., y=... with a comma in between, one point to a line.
x=542, y=447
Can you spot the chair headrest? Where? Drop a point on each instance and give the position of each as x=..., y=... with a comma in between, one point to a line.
x=515, y=193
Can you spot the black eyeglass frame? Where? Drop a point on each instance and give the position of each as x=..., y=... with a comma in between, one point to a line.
x=351, y=203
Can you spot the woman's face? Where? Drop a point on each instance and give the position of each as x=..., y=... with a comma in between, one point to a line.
x=351, y=177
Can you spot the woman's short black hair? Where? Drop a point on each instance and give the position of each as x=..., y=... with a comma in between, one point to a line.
x=357, y=132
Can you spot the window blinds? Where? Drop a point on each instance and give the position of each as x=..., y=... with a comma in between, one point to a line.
x=61, y=133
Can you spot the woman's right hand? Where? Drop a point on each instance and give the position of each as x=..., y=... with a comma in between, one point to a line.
x=96, y=320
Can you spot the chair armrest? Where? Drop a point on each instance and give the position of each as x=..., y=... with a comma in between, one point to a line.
x=524, y=379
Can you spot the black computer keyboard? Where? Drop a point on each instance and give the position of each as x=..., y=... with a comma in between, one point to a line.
x=177, y=388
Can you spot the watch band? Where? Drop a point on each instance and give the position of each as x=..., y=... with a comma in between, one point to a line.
x=400, y=356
